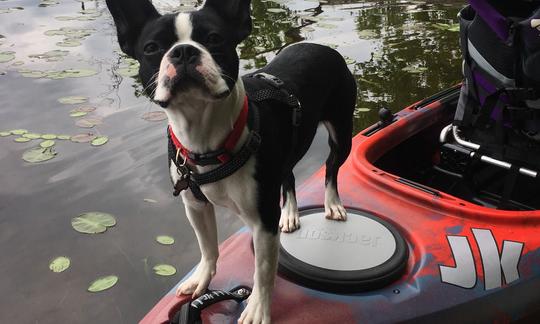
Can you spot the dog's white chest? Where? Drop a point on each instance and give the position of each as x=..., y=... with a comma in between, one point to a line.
x=237, y=192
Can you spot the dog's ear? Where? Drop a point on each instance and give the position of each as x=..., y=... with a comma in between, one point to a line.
x=130, y=16
x=237, y=12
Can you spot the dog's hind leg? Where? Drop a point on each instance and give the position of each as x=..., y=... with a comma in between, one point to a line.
x=203, y=220
x=289, y=220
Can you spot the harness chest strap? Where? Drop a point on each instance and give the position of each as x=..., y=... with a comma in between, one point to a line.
x=193, y=181
x=224, y=153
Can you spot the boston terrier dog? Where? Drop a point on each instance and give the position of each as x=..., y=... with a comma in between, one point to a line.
x=189, y=65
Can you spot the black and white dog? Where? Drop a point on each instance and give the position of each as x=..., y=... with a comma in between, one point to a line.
x=189, y=65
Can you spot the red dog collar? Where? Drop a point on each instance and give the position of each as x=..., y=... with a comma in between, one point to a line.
x=224, y=154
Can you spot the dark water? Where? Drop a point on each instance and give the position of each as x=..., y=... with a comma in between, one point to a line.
x=395, y=48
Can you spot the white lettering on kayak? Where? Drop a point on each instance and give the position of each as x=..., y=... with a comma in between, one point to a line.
x=464, y=273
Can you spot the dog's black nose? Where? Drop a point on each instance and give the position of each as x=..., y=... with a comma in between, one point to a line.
x=184, y=53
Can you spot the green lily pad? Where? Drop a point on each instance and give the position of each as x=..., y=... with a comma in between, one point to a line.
x=78, y=114
x=363, y=109
x=448, y=27
x=77, y=73
x=47, y=143
x=49, y=136
x=367, y=34
x=164, y=270
x=98, y=141
x=128, y=71
x=32, y=135
x=103, y=283
x=4, y=134
x=38, y=154
x=69, y=43
x=83, y=138
x=149, y=200
x=59, y=264
x=276, y=10
x=64, y=137
x=32, y=74
x=154, y=116
x=6, y=56
x=22, y=140
x=73, y=100
x=165, y=240
x=415, y=69
x=19, y=131
x=51, y=56
x=93, y=222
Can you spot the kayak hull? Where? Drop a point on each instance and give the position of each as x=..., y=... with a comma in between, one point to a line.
x=466, y=262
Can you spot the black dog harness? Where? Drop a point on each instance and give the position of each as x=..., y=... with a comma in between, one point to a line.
x=227, y=161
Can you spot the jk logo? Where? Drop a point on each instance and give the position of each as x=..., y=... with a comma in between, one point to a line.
x=494, y=264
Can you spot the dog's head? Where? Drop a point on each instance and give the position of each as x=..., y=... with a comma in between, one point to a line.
x=187, y=52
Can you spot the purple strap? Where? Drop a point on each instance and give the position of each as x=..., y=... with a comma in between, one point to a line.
x=497, y=113
x=492, y=17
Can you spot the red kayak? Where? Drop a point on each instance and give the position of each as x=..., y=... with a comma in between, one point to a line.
x=421, y=243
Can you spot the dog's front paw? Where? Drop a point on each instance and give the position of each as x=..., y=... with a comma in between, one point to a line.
x=198, y=282
x=333, y=208
x=289, y=220
x=257, y=311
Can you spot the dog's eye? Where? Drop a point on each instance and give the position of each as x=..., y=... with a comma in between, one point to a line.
x=214, y=39
x=151, y=48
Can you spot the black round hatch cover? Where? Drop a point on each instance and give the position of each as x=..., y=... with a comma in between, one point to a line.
x=363, y=253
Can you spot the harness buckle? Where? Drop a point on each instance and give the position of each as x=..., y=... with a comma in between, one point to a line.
x=274, y=81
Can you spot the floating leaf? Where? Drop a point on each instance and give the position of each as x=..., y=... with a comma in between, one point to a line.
x=38, y=154
x=51, y=56
x=164, y=270
x=89, y=122
x=83, y=138
x=128, y=71
x=32, y=74
x=6, y=56
x=415, y=69
x=98, y=141
x=448, y=27
x=93, y=222
x=154, y=116
x=367, y=34
x=47, y=143
x=72, y=100
x=77, y=73
x=153, y=201
x=19, y=131
x=32, y=135
x=4, y=134
x=59, y=264
x=165, y=240
x=103, y=283
x=363, y=109
x=69, y=43
x=276, y=10
x=64, y=137
x=78, y=114
x=22, y=140
x=49, y=136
